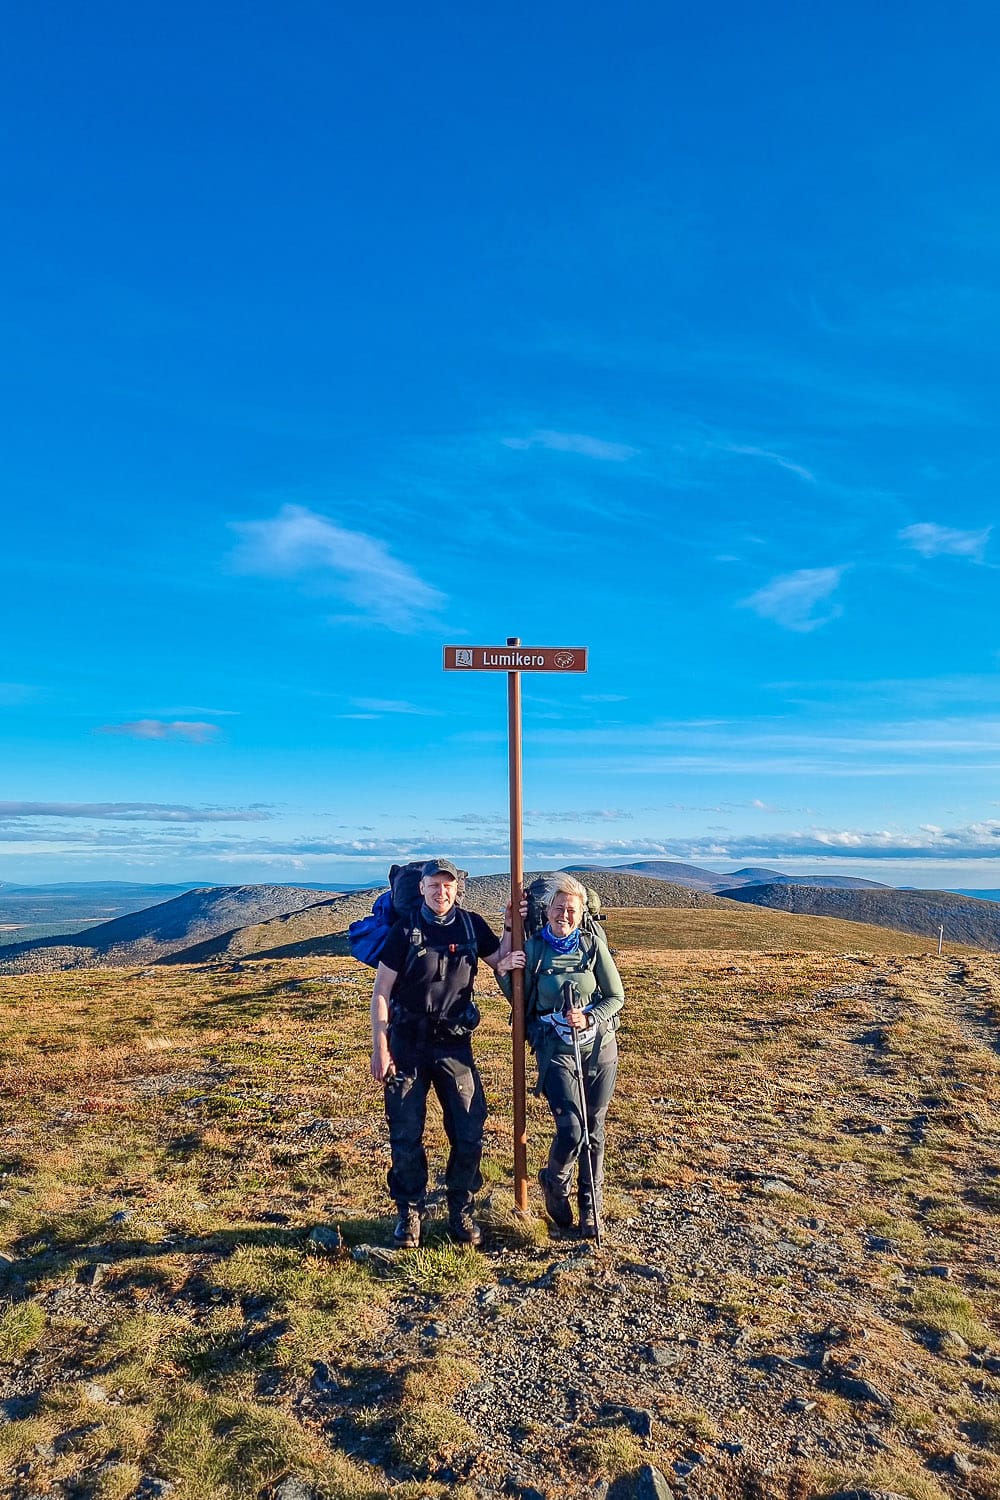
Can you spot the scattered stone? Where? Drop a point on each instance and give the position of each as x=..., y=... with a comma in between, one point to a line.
x=856, y=1389
x=121, y=1216
x=777, y=1187
x=992, y=1364
x=951, y=1345
x=866, y=1495
x=434, y=1331
x=664, y=1355
x=635, y=1418
x=651, y=1484
x=487, y=1296
x=522, y=1491
x=94, y=1275
x=943, y=1273
x=151, y=1487
x=94, y=1393
x=638, y=1268
x=801, y=1404
x=570, y=1264
x=374, y=1255
x=961, y=1465
x=13, y=1408
x=323, y=1380
x=293, y=1488
x=325, y=1238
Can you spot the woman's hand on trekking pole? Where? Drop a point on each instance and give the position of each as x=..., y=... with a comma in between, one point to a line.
x=576, y=1018
x=510, y=961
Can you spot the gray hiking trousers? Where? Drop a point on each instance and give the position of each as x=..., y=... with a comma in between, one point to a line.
x=600, y=1069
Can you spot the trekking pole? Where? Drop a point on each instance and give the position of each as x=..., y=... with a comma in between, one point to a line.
x=571, y=1001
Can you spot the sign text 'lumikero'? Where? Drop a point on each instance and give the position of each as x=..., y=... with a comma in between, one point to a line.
x=515, y=658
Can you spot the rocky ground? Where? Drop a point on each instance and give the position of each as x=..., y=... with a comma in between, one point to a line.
x=798, y=1291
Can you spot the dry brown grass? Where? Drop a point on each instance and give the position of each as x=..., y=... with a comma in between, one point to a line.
x=188, y=1101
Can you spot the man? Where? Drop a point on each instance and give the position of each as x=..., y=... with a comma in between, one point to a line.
x=423, y=1017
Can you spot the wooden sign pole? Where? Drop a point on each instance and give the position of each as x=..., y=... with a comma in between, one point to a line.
x=515, y=659
x=517, y=933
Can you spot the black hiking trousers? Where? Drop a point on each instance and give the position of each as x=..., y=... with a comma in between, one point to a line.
x=446, y=1067
x=600, y=1070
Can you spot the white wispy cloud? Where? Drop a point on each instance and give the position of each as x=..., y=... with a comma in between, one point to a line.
x=967, y=841
x=932, y=540
x=391, y=706
x=791, y=599
x=828, y=846
x=749, y=451
x=142, y=812
x=577, y=815
x=192, y=730
x=360, y=568
x=574, y=442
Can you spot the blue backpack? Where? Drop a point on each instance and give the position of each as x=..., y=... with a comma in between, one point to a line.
x=367, y=937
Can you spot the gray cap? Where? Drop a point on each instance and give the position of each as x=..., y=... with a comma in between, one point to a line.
x=439, y=867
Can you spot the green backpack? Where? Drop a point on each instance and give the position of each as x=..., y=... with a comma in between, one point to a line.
x=590, y=922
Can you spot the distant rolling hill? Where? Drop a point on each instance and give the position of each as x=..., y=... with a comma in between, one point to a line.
x=697, y=879
x=224, y=923
x=691, y=876
x=35, y=911
x=753, y=875
x=319, y=929
x=965, y=920
x=143, y=937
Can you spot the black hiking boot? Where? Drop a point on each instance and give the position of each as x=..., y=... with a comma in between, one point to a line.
x=406, y=1235
x=558, y=1208
x=463, y=1228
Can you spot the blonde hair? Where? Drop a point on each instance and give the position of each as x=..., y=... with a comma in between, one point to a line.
x=569, y=886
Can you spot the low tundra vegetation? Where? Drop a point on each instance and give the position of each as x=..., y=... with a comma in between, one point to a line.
x=170, y=1142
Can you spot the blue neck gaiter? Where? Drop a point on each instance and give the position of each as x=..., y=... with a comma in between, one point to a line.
x=570, y=944
x=432, y=916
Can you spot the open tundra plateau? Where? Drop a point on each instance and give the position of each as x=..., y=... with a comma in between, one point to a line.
x=798, y=1293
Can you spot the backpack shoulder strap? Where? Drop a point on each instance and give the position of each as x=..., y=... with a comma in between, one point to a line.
x=534, y=956
x=469, y=928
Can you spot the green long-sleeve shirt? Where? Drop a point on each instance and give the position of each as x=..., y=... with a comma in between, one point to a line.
x=546, y=971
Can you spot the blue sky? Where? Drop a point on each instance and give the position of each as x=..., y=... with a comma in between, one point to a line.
x=337, y=333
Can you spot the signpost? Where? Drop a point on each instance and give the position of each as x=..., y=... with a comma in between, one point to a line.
x=513, y=658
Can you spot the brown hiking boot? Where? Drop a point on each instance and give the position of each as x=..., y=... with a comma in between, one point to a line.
x=406, y=1235
x=463, y=1228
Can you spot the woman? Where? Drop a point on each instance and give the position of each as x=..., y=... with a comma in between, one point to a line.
x=571, y=978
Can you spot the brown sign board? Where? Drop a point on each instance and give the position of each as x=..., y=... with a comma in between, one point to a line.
x=515, y=658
